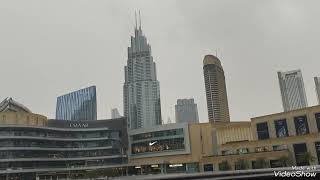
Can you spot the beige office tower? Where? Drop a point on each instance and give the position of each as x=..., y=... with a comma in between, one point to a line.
x=216, y=91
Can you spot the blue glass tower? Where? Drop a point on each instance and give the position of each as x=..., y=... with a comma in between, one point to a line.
x=78, y=105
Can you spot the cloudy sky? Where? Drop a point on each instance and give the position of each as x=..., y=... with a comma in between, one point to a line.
x=48, y=48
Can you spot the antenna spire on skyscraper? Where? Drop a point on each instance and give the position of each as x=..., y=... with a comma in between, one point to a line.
x=135, y=15
x=139, y=20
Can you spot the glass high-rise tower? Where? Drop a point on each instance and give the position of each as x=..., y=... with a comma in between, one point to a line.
x=216, y=91
x=141, y=92
x=186, y=111
x=292, y=90
x=78, y=105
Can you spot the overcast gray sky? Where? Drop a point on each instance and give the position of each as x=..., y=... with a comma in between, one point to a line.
x=48, y=48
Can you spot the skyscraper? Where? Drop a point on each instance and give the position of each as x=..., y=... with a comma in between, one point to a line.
x=317, y=83
x=78, y=105
x=141, y=90
x=216, y=91
x=292, y=90
x=115, y=113
x=186, y=111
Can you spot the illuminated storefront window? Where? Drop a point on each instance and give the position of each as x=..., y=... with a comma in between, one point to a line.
x=158, y=146
x=243, y=151
x=262, y=149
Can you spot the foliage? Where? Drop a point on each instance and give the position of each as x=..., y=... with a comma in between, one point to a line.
x=262, y=163
x=242, y=164
x=224, y=166
x=285, y=161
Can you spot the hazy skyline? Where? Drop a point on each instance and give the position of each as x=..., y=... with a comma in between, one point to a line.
x=49, y=48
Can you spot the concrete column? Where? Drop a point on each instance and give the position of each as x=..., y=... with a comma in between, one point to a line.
x=312, y=150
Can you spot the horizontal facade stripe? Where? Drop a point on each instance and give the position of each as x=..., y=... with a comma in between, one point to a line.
x=53, y=149
x=57, y=139
x=56, y=129
x=61, y=159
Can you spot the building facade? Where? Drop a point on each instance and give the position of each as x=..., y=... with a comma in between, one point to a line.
x=292, y=90
x=278, y=140
x=170, y=148
x=216, y=91
x=141, y=91
x=186, y=111
x=317, y=87
x=30, y=144
x=78, y=105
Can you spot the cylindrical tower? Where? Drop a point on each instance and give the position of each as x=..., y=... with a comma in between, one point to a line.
x=216, y=91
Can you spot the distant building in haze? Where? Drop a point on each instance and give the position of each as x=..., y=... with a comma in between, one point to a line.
x=317, y=83
x=115, y=113
x=292, y=90
x=78, y=105
x=216, y=91
x=186, y=111
x=169, y=120
x=141, y=91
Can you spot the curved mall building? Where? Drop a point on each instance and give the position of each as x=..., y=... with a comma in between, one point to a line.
x=30, y=143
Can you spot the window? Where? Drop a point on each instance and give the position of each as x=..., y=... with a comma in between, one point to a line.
x=260, y=163
x=262, y=130
x=317, y=116
x=243, y=151
x=300, y=151
x=281, y=128
x=227, y=152
x=4, y=119
x=317, y=145
x=280, y=147
x=241, y=164
x=224, y=166
x=208, y=167
x=301, y=125
x=262, y=149
x=276, y=163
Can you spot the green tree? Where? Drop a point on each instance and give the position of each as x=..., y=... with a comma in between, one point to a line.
x=262, y=163
x=285, y=161
x=241, y=164
x=307, y=157
x=224, y=166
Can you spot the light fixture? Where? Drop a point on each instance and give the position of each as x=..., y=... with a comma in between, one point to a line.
x=175, y=165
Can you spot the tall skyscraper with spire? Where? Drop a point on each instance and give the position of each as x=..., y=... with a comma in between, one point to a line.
x=141, y=90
